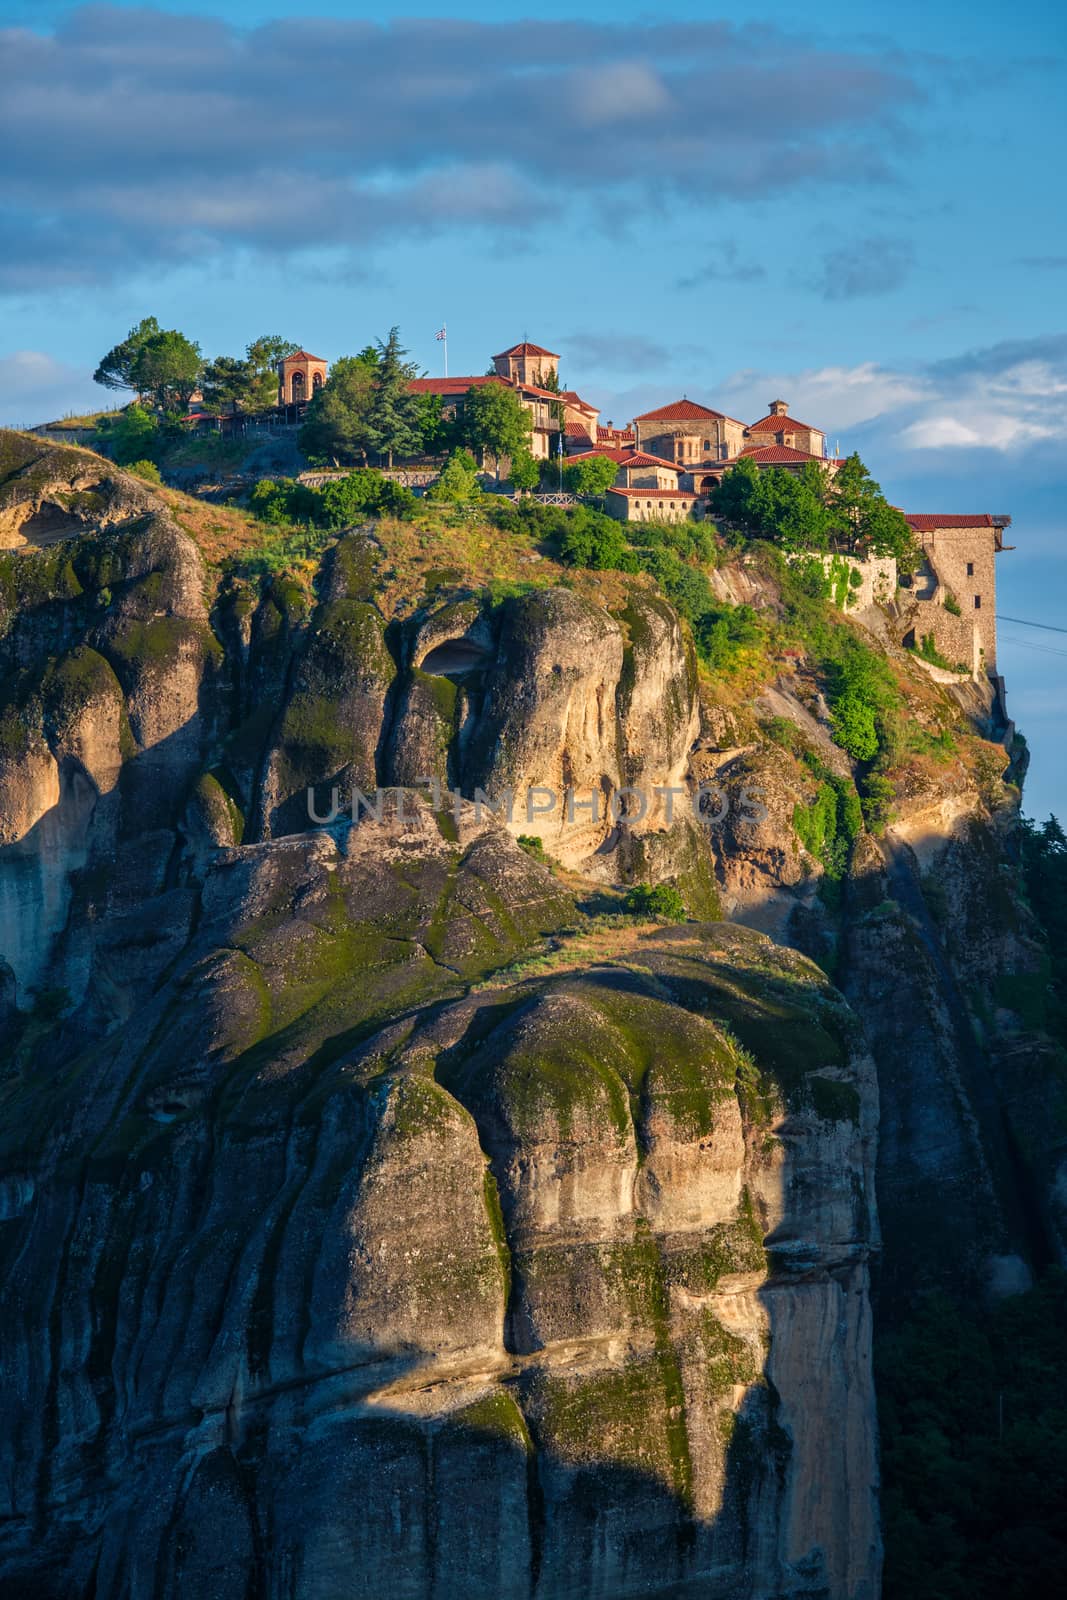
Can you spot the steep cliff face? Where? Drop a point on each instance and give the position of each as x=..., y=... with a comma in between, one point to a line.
x=338, y=1246
x=373, y=1217
x=557, y=1288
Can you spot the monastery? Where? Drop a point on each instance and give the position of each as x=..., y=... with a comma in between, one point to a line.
x=669, y=460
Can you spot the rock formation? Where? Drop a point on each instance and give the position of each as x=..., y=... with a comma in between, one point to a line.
x=362, y=1229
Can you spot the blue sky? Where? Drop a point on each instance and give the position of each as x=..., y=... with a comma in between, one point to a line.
x=860, y=214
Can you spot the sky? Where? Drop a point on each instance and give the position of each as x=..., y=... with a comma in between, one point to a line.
x=857, y=208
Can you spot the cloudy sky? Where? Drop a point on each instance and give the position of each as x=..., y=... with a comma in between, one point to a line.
x=863, y=214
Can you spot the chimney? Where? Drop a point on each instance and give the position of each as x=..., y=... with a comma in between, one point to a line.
x=778, y=408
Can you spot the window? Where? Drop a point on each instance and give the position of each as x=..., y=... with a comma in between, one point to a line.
x=978, y=602
x=707, y=444
x=970, y=569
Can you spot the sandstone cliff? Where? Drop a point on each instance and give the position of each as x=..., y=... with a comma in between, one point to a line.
x=373, y=1218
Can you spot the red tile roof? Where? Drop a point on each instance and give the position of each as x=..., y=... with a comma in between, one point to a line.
x=450, y=386
x=303, y=355
x=573, y=399
x=575, y=430
x=531, y=388
x=659, y=494
x=932, y=522
x=621, y=435
x=769, y=454
x=527, y=349
x=682, y=411
x=781, y=424
x=624, y=457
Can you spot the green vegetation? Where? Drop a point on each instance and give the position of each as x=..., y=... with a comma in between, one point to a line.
x=660, y=900
x=334, y=429
x=927, y=650
x=166, y=368
x=524, y=473
x=591, y=476
x=134, y=435
x=458, y=481
x=146, y=470
x=973, y=1420
x=366, y=408
x=952, y=604
x=116, y=368
x=248, y=383
x=1044, y=866
x=827, y=827
x=812, y=510
x=495, y=420
x=393, y=419
x=336, y=504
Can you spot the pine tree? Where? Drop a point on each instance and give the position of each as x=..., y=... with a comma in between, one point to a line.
x=394, y=421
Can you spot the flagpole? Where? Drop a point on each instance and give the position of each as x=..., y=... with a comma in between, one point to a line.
x=445, y=342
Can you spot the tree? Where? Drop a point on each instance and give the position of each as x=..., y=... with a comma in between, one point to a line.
x=167, y=367
x=226, y=383
x=525, y=471
x=262, y=357
x=133, y=436
x=335, y=428
x=495, y=420
x=591, y=476
x=863, y=521
x=114, y=371
x=435, y=428
x=394, y=424
x=249, y=383
x=733, y=500
x=458, y=481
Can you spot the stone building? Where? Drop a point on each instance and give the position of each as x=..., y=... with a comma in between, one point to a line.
x=654, y=505
x=954, y=590
x=542, y=404
x=527, y=363
x=691, y=434
x=778, y=427
x=299, y=376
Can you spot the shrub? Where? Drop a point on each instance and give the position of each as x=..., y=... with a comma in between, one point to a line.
x=877, y=802
x=283, y=502
x=724, y=633
x=952, y=604
x=458, y=481
x=590, y=539
x=360, y=493
x=853, y=726
x=828, y=826
x=661, y=900
x=146, y=470
x=135, y=435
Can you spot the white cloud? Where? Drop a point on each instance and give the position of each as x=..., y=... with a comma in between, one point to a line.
x=832, y=398
x=35, y=387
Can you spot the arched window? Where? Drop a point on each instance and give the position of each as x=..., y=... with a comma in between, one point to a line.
x=316, y=381
x=297, y=386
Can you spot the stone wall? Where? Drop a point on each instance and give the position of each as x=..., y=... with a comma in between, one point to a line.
x=655, y=508
x=951, y=552
x=876, y=585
